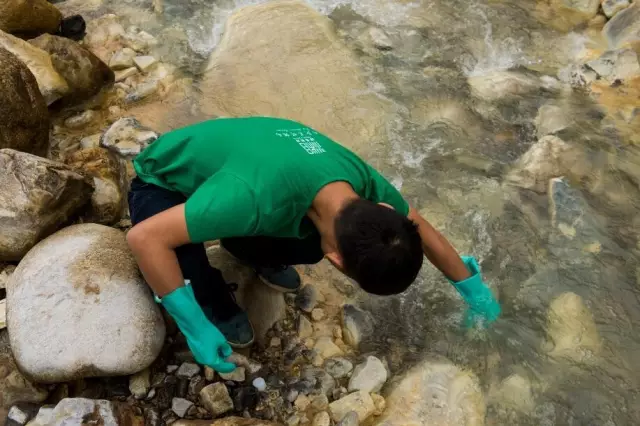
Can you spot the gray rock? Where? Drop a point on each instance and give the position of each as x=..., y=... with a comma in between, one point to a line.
x=92, y=141
x=307, y=298
x=17, y=415
x=143, y=90
x=326, y=348
x=122, y=59
x=140, y=383
x=195, y=386
x=125, y=73
x=236, y=375
x=75, y=282
x=188, y=370
x=356, y=325
x=322, y=381
x=615, y=65
x=44, y=417
x=144, y=63
x=369, y=376
x=551, y=119
x=14, y=387
x=180, y=406
x=380, y=39
x=349, y=419
x=127, y=137
x=624, y=27
x=320, y=402
x=338, y=367
x=80, y=411
x=360, y=402
x=305, y=328
x=611, y=7
x=172, y=369
x=81, y=119
x=291, y=395
x=317, y=314
x=215, y=398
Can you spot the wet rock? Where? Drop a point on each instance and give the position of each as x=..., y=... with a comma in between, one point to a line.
x=50, y=83
x=144, y=63
x=180, y=406
x=37, y=196
x=139, y=384
x=571, y=330
x=338, y=367
x=320, y=402
x=143, y=90
x=287, y=47
x=380, y=403
x=80, y=120
x=369, y=376
x=188, y=370
x=305, y=328
x=14, y=387
x=29, y=16
x=349, y=419
x=504, y=84
x=215, y=398
x=125, y=73
x=548, y=158
x=79, y=280
x=615, y=65
x=551, y=119
x=435, y=392
x=611, y=7
x=127, y=137
x=236, y=375
x=307, y=298
x=109, y=178
x=514, y=393
x=624, y=27
x=84, y=72
x=360, y=402
x=105, y=35
x=245, y=398
x=25, y=118
x=356, y=325
x=122, y=59
x=77, y=411
x=317, y=314
x=321, y=419
x=380, y=39
x=326, y=348
x=17, y=415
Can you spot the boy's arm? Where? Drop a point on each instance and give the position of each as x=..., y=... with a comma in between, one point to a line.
x=438, y=250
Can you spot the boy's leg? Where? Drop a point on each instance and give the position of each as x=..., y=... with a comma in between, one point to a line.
x=210, y=289
x=272, y=257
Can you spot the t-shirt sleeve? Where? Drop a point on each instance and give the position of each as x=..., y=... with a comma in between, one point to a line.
x=223, y=206
x=382, y=191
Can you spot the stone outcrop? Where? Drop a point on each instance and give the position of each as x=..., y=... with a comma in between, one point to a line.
x=29, y=16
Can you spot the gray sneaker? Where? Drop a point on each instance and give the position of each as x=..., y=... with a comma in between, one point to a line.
x=237, y=329
x=282, y=278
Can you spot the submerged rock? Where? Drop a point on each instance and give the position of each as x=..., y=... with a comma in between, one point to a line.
x=75, y=282
x=84, y=72
x=25, y=118
x=127, y=137
x=37, y=196
x=51, y=84
x=615, y=65
x=29, y=16
x=437, y=393
x=624, y=28
x=499, y=85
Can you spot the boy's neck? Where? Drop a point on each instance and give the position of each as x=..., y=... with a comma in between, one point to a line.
x=326, y=206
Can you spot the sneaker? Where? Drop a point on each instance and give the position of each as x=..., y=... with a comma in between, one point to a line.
x=283, y=278
x=237, y=329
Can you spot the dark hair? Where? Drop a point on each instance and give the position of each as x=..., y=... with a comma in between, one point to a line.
x=380, y=248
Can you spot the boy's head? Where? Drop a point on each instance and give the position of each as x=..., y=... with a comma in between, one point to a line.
x=378, y=247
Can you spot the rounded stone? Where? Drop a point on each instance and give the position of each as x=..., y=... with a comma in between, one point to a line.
x=78, y=307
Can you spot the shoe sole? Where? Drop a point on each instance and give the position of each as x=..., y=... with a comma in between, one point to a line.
x=277, y=287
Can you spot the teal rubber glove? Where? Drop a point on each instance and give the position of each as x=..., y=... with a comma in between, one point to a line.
x=208, y=345
x=483, y=306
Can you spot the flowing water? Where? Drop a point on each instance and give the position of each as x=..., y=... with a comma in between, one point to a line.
x=438, y=113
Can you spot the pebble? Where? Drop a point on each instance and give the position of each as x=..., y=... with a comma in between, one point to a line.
x=349, y=419
x=305, y=328
x=321, y=419
x=326, y=347
x=215, y=398
x=380, y=39
x=144, y=63
x=237, y=375
x=180, y=406
x=3, y=314
x=293, y=420
x=317, y=314
x=302, y=402
x=196, y=384
x=151, y=394
x=142, y=91
x=307, y=298
x=338, y=367
x=291, y=395
x=320, y=402
x=380, y=404
x=368, y=376
x=275, y=342
x=355, y=324
x=17, y=415
x=157, y=379
x=337, y=332
x=80, y=120
x=124, y=74
x=188, y=370
x=360, y=402
x=139, y=384
x=92, y=141
x=259, y=384
x=122, y=59
x=209, y=374
x=317, y=360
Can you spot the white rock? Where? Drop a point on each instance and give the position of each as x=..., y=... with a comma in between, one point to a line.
x=180, y=406
x=305, y=328
x=76, y=411
x=92, y=141
x=127, y=137
x=360, y=402
x=77, y=281
x=611, y=7
x=624, y=28
x=551, y=119
x=17, y=415
x=44, y=417
x=143, y=90
x=259, y=384
x=237, y=375
x=215, y=398
x=122, y=59
x=321, y=419
x=326, y=347
x=188, y=370
x=81, y=119
x=139, y=384
x=380, y=39
x=350, y=419
x=124, y=74
x=3, y=314
x=144, y=63
x=369, y=376
x=615, y=65
x=172, y=369
x=503, y=84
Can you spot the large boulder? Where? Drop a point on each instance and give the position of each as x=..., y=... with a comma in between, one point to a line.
x=29, y=16
x=284, y=59
x=25, y=118
x=435, y=393
x=78, y=307
x=51, y=84
x=109, y=177
x=624, y=28
x=37, y=196
x=83, y=71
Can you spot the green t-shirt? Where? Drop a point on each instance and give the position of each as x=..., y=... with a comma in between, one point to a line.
x=255, y=175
